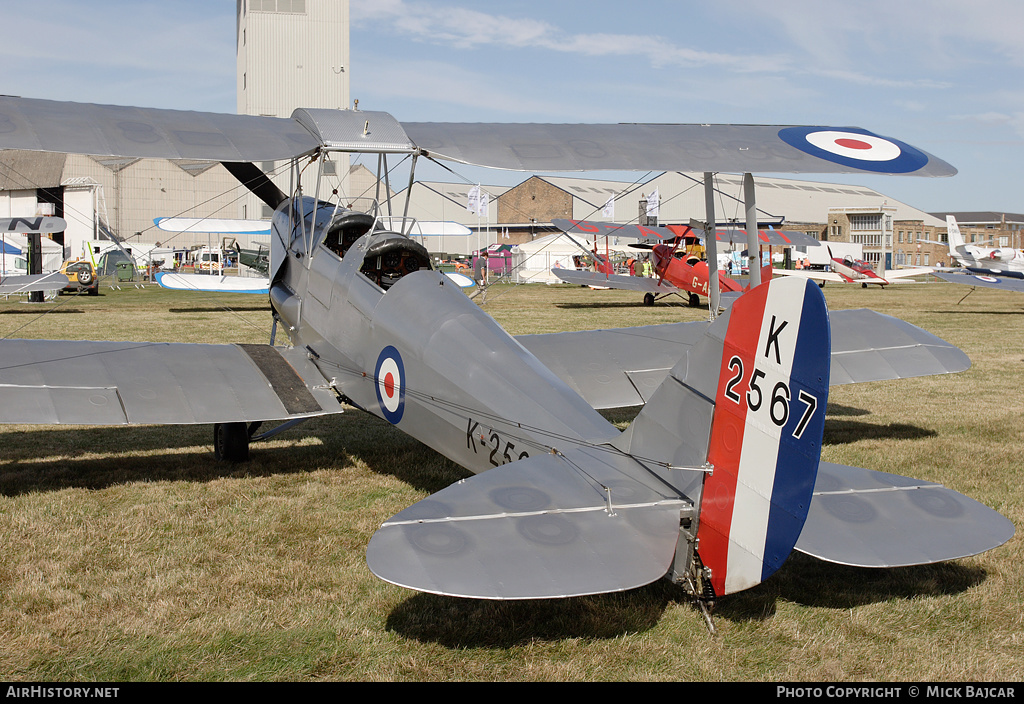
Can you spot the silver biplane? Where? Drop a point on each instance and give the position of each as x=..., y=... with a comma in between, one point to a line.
x=714, y=483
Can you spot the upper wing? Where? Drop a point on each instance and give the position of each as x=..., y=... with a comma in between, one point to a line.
x=620, y=281
x=114, y=130
x=115, y=383
x=46, y=125
x=608, y=229
x=668, y=147
x=622, y=367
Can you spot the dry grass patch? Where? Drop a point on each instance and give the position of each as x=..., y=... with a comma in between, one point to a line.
x=129, y=554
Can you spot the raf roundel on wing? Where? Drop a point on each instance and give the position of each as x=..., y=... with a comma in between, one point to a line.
x=856, y=148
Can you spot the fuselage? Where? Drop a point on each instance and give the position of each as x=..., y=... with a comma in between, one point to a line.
x=403, y=342
x=856, y=270
x=690, y=273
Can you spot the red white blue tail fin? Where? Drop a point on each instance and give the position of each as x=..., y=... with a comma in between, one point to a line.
x=766, y=432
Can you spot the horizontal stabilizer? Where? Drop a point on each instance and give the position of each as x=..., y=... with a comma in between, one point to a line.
x=870, y=346
x=32, y=282
x=535, y=529
x=213, y=284
x=865, y=518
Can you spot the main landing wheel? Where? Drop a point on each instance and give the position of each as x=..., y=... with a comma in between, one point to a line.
x=694, y=300
x=231, y=442
x=648, y=299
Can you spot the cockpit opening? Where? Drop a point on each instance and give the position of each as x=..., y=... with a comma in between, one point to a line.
x=391, y=256
x=345, y=230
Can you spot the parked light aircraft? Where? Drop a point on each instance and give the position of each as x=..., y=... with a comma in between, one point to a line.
x=850, y=270
x=1001, y=261
x=1000, y=268
x=713, y=485
x=675, y=271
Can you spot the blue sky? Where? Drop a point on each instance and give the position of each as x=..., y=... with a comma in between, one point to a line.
x=945, y=75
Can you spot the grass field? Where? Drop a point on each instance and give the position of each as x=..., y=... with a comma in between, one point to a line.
x=130, y=554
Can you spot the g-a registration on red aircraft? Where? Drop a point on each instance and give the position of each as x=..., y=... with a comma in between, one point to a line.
x=714, y=483
x=676, y=270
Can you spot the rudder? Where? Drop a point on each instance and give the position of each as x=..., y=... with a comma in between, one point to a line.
x=766, y=432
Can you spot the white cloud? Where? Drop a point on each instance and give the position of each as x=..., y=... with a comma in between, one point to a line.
x=462, y=28
x=1014, y=121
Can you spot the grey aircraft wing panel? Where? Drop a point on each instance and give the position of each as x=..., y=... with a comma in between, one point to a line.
x=871, y=346
x=32, y=282
x=111, y=130
x=856, y=514
x=591, y=228
x=673, y=147
x=534, y=529
x=619, y=281
x=1001, y=282
x=615, y=368
x=114, y=130
x=116, y=383
x=621, y=367
x=810, y=274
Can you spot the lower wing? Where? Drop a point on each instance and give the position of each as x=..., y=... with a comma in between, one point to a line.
x=622, y=367
x=117, y=383
x=619, y=281
x=214, y=284
x=33, y=282
x=810, y=274
x=904, y=273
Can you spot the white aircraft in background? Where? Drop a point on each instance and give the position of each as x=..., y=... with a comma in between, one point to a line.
x=990, y=267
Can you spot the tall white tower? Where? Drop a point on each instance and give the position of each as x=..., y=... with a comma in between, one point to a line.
x=291, y=54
